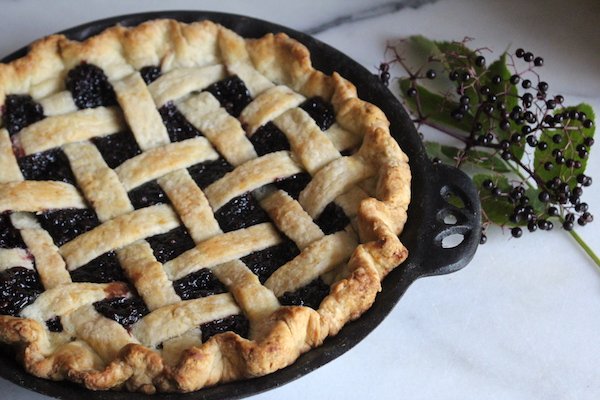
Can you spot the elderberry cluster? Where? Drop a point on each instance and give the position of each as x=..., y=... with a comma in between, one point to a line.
x=507, y=114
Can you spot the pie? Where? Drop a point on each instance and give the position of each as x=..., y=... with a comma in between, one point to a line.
x=180, y=206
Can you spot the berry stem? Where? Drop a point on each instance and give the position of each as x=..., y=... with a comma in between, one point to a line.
x=585, y=247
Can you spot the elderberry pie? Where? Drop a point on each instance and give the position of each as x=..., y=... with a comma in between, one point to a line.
x=181, y=206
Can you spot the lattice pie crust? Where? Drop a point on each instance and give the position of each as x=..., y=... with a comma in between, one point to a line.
x=354, y=163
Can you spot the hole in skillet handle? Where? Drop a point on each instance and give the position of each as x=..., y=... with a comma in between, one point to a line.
x=455, y=228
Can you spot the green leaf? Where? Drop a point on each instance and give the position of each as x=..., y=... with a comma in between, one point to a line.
x=458, y=56
x=476, y=158
x=497, y=209
x=572, y=134
x=434, y=149
x=420, y=53
x=485, y=160
x=435, y=108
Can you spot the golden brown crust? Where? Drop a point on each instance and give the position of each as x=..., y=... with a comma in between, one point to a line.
x=288, y=331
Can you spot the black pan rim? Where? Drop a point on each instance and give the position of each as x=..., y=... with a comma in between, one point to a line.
x=326, y=59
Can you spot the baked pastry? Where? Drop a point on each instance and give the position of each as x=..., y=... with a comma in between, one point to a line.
x=180, y=206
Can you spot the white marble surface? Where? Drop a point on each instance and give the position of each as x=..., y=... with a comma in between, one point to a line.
x=522, y=320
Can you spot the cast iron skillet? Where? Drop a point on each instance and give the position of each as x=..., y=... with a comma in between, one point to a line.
x=432, y=186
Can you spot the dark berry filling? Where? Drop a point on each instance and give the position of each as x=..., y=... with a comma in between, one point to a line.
x=319, y=110
x=19, y=287
x=235, y=323
x=178, y=127
x=310, y=295
x=124, y=310
x=240, y=212
x=209, y=171
x=9, y=236
x=20, y=111
x=150, y=73
x=54, y=324
x=198, y=284
x=117, y=148
x=332, y=219
x=264, y=262
x=268, y=139
x=51, y=165
x=169, y=245
x=146, y=195
x=90, y=87
x=232, y=94
x=102, y=269
x=294, y=184
x=66, y=224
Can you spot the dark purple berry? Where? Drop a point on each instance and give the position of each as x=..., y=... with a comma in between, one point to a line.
x=90, y=87
x=482, y=239
x=568, y=226
x=232, y=93
x=20, y=111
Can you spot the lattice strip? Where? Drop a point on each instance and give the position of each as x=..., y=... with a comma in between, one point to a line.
x=343, y=139
x=254, y=81
x=117, y=233
x=291, y=219
x=251, y=175
x=223, y=248
x=159, y=161
x=73, y=127
x=191, y=205
x=58, y=103
x=147, y=275
x=172, y=348
x=62, y=300
x=9, y=169
x=159, y=325
x=236, y=58
x=350, y=201
x=254, y=299
x=180, y=82
x=140, y=112
x=16, y=257
x=224, y=131
x=36, y=196
x=104, y=335
x=318, y=258
x=331, y=181
x=308, y=142
x=99, y=183
x=49, y=264
x=268, y=106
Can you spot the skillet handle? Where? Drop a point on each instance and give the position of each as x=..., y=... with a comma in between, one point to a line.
x=457, y=212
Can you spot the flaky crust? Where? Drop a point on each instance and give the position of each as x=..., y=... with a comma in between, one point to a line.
x=286, y=332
